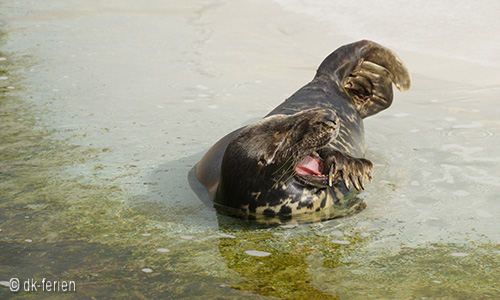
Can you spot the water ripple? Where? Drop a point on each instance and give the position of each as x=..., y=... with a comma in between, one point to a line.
x=469, y=133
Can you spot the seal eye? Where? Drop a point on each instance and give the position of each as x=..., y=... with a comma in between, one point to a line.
x=262, y=161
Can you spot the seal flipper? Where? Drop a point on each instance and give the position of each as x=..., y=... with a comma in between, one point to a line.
x=365, y=71
x=207, y=171
x=349, y=169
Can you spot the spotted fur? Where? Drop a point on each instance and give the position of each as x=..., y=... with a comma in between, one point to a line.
x=252, y=171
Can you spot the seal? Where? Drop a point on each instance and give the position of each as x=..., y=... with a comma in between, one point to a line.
x=306, y=155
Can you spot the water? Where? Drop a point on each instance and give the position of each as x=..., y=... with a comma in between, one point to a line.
x=107, y=106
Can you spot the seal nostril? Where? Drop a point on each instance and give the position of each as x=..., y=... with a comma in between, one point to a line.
x=330, y=123
x=330, y=118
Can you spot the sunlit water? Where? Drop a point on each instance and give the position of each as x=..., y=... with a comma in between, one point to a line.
x=106, y=106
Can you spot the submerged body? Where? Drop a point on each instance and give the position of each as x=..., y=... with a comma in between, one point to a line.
x=307, y=154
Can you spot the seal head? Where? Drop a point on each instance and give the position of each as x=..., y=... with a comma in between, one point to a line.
x=258, y=168
x=283, y=165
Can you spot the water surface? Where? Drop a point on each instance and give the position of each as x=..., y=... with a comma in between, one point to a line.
x=105, y=107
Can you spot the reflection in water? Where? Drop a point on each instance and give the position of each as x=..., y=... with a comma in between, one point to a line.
x=316, y=261
x=344, y=207
x=277, y=263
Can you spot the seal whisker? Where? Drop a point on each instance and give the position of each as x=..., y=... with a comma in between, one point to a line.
x=290, y=169
x=283, y=165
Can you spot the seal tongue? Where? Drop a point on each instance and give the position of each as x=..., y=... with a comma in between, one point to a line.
x=309, y=166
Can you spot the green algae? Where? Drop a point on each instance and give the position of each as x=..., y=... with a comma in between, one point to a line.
x=81, y=229
x=432, y=272
x=284, y=272
x=55, y=224
x=59, y=225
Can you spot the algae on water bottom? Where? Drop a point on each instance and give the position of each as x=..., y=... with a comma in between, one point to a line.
x=58, y=226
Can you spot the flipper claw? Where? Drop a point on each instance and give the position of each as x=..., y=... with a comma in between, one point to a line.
x=352, y=171
x=354, y=182
x=330, y=176
x=361, y=183
x=344, y=179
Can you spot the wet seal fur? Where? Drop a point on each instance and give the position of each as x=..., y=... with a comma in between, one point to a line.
x=304, y=160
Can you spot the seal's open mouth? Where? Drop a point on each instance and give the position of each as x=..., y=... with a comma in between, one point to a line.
x=310, y=165
x=311, y=169
x=324, y=166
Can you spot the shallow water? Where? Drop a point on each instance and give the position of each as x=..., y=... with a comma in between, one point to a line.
x=107, y=106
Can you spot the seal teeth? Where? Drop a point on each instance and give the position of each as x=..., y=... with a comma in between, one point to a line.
x=330, y=176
